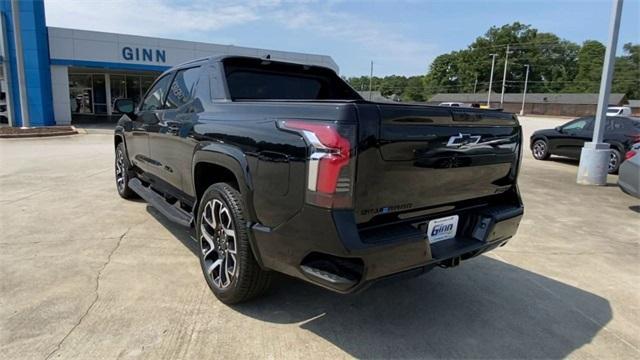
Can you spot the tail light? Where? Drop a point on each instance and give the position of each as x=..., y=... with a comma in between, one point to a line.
x=630, y=154
x=330, y=166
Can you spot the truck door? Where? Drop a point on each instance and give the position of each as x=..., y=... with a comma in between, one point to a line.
x=148, y=116
x=170, y=141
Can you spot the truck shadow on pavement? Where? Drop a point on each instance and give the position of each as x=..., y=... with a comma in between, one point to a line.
x=485, y=308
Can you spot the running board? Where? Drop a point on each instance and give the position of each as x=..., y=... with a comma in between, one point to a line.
x=328, y=279
x=158, y=202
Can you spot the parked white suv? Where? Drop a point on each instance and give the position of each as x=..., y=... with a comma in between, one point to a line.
x=619, y=111
x=454, y=104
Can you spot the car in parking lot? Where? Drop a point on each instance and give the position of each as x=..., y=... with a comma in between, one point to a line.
x=567, y=140
x=453, y=104
x=629, y=177
x=618, y=111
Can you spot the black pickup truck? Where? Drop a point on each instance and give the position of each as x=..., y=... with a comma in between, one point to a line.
x=284, y=167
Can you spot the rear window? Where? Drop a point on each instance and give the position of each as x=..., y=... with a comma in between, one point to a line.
x=254, y=79
x=623, y=125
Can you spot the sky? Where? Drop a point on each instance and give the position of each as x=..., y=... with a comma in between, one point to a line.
x=401, y=37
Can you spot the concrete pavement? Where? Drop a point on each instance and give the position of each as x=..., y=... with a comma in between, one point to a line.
x=85, y=274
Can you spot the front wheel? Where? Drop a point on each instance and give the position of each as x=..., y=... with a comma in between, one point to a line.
x=540, y=150
x=226, y=259
x=123, y=173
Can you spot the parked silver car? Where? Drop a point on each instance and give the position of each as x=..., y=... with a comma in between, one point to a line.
x=629, y=173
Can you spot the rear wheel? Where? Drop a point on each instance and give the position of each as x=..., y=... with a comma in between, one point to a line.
x=540, y=150
x=614, y=161
x=123, y=173
x=226, y=259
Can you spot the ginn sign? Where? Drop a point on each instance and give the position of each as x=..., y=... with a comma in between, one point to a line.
x=142, y=54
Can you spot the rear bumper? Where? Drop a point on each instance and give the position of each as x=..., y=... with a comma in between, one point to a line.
x=318, y=243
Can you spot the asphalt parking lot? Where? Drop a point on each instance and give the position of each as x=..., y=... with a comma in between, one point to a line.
x=85, y=274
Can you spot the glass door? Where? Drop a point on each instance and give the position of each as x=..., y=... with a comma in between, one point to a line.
x=99, y=94
x=81, y=93
x=118, y=89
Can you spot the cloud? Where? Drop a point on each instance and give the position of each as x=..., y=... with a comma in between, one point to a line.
x=203, y=20
x=377, y=41
x=150, y=18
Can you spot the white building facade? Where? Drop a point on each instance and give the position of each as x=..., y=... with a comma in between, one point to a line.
x=90, y=70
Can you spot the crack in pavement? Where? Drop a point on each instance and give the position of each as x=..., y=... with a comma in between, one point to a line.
x=96, y=292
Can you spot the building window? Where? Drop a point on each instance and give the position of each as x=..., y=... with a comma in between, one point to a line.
x=118, y=89
x=81, y=93
x=89, y=92
x=99, y=94
x=133, y=88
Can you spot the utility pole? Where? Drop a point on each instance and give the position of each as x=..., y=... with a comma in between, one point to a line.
x=524, y=93
x=504, y=76
x=493, y=63
x=596, y=155
x=475, y=85
x=371, y=81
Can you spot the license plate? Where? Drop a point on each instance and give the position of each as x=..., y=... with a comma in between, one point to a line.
x=442, y=229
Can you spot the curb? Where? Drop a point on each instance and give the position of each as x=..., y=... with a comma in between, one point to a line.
x=68, y=131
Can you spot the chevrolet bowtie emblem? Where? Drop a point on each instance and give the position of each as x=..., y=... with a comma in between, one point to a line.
x=463, y=139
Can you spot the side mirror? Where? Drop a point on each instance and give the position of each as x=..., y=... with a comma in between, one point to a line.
x=558, y=129
x=125, y=106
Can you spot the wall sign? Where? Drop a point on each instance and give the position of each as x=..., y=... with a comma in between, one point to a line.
x=144, y=54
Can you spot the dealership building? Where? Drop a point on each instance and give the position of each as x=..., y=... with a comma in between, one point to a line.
x=57, y=76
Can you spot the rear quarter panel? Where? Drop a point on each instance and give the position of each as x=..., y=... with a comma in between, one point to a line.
x=275, y=160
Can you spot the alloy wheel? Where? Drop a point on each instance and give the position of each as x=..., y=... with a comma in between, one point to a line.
x=613, y=161
x=120, y=171
x=218, y=244
x=539, y=149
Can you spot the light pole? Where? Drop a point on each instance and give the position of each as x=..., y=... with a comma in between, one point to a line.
x=524, y=94
x=493, y=63
x=504, y=76
x=475, y=84
x=596, y=155
x=371, y=81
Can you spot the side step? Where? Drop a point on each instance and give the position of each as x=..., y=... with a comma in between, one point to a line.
x=329, y=279
x=154, y=199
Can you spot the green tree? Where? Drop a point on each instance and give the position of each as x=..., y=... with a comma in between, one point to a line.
x=626, y=76
x=556, y=65
x=590, y=60
x=551, y=59
x=414, y=90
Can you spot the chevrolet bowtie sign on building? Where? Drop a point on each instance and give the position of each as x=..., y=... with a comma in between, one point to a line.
x=53, y=75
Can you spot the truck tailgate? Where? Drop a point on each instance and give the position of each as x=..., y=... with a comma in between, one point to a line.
x=425, y=157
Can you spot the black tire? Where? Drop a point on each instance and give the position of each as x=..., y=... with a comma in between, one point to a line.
x=614, y=161
x=213, y=231
x=123, y=173
x=540, y=150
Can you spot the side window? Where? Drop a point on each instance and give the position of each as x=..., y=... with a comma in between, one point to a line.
x=620, y=125
x=182, y=87
x=156, y=95
x=576, y=125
